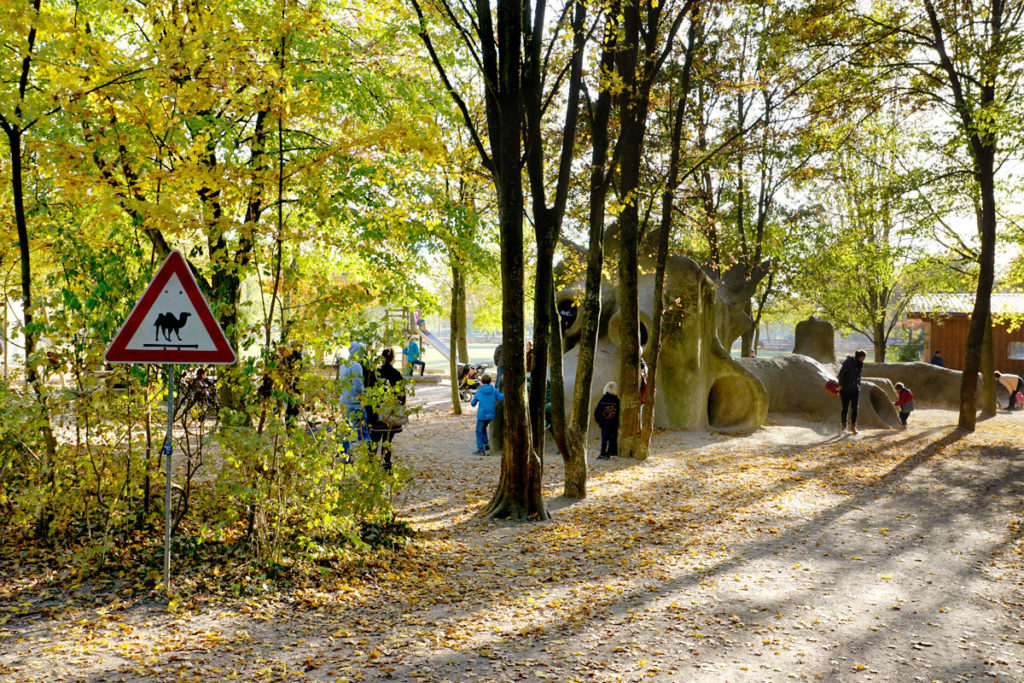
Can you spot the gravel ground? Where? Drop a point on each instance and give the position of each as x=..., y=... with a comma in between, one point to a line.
x=789, y=553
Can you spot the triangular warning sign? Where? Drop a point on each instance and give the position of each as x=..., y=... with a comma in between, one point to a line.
x=171, y=323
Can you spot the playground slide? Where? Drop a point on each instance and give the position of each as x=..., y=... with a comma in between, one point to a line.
x=435, y=342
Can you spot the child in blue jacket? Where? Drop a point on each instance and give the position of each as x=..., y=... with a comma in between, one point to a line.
x=487, y=398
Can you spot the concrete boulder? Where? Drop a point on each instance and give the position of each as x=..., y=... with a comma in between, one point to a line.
x=815, y=337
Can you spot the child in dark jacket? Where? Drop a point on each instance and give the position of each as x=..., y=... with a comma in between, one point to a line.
x=904, y=403
x=607, y=415
x=487, y=397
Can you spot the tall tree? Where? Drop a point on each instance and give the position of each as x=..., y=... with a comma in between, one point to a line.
x=752, y=119
x=547, y=218
x=966, y=58
x=673, y=179
x=38, y=65
x=493, y=36
x=598, y=118
x=648, y=35
x=861, y=267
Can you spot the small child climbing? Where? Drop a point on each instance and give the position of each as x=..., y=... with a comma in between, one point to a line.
x=904, y=402
x=607, y=415
x=487, y=397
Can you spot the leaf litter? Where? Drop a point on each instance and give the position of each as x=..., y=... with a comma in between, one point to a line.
x=786, y=553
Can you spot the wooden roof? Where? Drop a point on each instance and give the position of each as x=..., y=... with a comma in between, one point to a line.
x=933, y=305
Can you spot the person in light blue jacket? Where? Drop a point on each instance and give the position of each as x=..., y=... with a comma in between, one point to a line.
x=351, y=375
x=412, y=357
x=487, y=397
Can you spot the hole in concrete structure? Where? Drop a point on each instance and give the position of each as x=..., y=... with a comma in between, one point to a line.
x=569, y=318
x=567, y=312
x=644, y=325
x=882, y=406
x=729, y=403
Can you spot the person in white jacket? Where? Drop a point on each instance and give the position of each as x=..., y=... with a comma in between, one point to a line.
x=1013, y=384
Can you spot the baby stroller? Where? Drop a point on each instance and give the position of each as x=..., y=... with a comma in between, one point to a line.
x=469, y=379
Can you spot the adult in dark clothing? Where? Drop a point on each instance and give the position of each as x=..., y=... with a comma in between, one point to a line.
x=382, y=433
x=643, y=388
x=607, y=416
x=498, y=363
x=567, y=316
x=849, y=387
x=291, y=370
x=937, y=359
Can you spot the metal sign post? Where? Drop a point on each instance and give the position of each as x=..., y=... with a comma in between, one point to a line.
x=172, y=323
x=168, y=448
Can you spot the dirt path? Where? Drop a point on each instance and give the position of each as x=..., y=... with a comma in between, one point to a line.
x=789, y=553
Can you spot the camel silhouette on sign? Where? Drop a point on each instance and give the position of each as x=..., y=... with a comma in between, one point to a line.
x=167, y=323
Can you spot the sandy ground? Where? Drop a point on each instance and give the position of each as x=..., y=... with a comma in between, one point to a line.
x=789, y=553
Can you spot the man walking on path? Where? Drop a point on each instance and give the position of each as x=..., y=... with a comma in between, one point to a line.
x=849, y=387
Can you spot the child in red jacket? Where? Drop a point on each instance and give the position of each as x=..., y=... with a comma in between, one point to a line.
x=904, y=402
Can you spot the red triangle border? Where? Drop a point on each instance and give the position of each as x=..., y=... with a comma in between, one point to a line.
x=175, y=264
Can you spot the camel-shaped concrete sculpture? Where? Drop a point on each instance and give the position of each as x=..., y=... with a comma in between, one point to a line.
x=699, y=384
x=796, y=382
x=930, y=383
x=792, y=380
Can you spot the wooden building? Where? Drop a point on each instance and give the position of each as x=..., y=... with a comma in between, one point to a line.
x=947, y=317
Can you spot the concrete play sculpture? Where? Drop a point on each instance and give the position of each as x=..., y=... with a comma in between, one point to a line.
x=792, y=380
x=929, y=383
x=815, y=337
x=699, y=384
x=795, y=385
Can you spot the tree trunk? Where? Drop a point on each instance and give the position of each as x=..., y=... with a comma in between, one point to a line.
x=982, y=143
x=988, y=367
x=984, y=160
x=665, y=229
x=463, y=342
x=557, y=394
x=747, y=338
x=32, y=378
x=544, y=298
x=548, y=219
x=519, y=494
x=633, y=117
x=453, y=321
x=21, y=222
x=878, y=332
x=760, y=311
x=575, y=453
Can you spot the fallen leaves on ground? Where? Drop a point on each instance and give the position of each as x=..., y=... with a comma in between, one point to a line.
x=789, y=551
